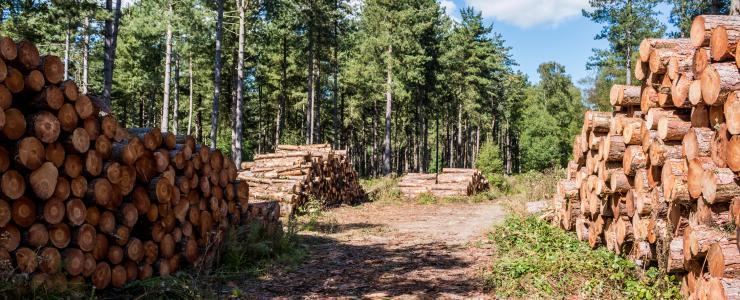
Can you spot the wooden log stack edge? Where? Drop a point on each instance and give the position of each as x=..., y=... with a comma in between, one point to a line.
x=83, y=199
x=295, y=174
x=450, y=182
x=656, y=180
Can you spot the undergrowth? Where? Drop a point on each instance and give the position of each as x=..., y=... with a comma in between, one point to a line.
x=383, y=189
x=535, y=260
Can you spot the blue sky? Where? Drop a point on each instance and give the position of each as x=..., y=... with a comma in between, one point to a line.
x=542, y=30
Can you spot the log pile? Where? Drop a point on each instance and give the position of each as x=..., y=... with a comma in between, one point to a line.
x=87, y=200
x=657, y=179
x=294, y=174
x=450, y=182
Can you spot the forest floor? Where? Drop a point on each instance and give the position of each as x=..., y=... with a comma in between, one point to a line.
x=389, y=249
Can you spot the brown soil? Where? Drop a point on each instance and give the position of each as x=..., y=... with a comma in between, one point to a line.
x=390, y=250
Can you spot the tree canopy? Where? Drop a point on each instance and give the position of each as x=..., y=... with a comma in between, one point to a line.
x=317, y=71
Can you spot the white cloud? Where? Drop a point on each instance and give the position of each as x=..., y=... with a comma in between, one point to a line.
x=528, y=13
x=449, y=6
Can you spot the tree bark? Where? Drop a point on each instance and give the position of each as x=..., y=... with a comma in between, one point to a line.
x=217, y=71
x=164, y=124
x=237, y=131
x=309, y=91
x=111, y=36
x=176, y=105
x=66, y=51
x=190, y=94
x=85, y=52
x=337, y=137
x=279, y=119
x=388, y=110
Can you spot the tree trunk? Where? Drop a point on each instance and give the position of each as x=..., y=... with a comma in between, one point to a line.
x=66, y=51
x=85, y=52
x=190, y=94
x=111, y=36
x=237, y=131
x=388, y=109
x=279, y=119
x=199, y=121
x=217, y=71
x=167, y=65
x=309, y=92
x=628, y=59
x=337, y=138
x=316, y=104
x=176, y=105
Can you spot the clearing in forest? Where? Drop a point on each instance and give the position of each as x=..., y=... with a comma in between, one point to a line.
x=385, y=249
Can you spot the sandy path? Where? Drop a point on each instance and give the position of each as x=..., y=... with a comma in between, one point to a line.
x=382, y=250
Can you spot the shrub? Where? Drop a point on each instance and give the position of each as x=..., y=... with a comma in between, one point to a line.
x=490, y=164
x=535, y=260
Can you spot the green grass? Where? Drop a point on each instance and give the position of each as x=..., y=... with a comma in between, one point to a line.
x=383, y=189
x=535, y=260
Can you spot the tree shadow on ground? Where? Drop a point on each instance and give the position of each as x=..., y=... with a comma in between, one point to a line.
x=377, y=270
x=334, y=227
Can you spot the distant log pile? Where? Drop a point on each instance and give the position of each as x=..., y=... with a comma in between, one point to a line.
x=451, y=182
x=86, y=200
x=657, y=179
x=293, y=174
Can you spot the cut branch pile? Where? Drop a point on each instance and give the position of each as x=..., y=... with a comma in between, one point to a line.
x=84, y=199
x=293, y=174
x=657, y=179
x=451, y=182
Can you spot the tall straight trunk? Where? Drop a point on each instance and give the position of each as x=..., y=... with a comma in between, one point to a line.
x=309, y=91
x=374, y=151
x=388, y=109
x=217, y=71
x=335, y=117
x=510, y=161
x=199, y=120
x=262, y=125
x=477, y=145
x=316, y=103
x=111, y=37
x=424, y=145
x=238, y=124
x=279, y=119
x=176, y=105
x=164, y=125
x=451, y=147
x=436, y=149
x=85, y=52
x=142, y=104
x=151, y=113
x=459, y=144
x=190, y=93
x=66, y=51
x=628, y=60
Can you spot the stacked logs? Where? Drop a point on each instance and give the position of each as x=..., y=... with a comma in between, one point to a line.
x=294, y=174
x=86, y=200
x=450, y=182
x=657, y=179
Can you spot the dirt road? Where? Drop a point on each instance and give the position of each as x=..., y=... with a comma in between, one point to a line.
x=391, y=250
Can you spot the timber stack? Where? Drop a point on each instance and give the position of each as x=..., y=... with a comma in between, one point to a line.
x=657, y=178
x=294, y=174
x=87, y=200
x=451, y=182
